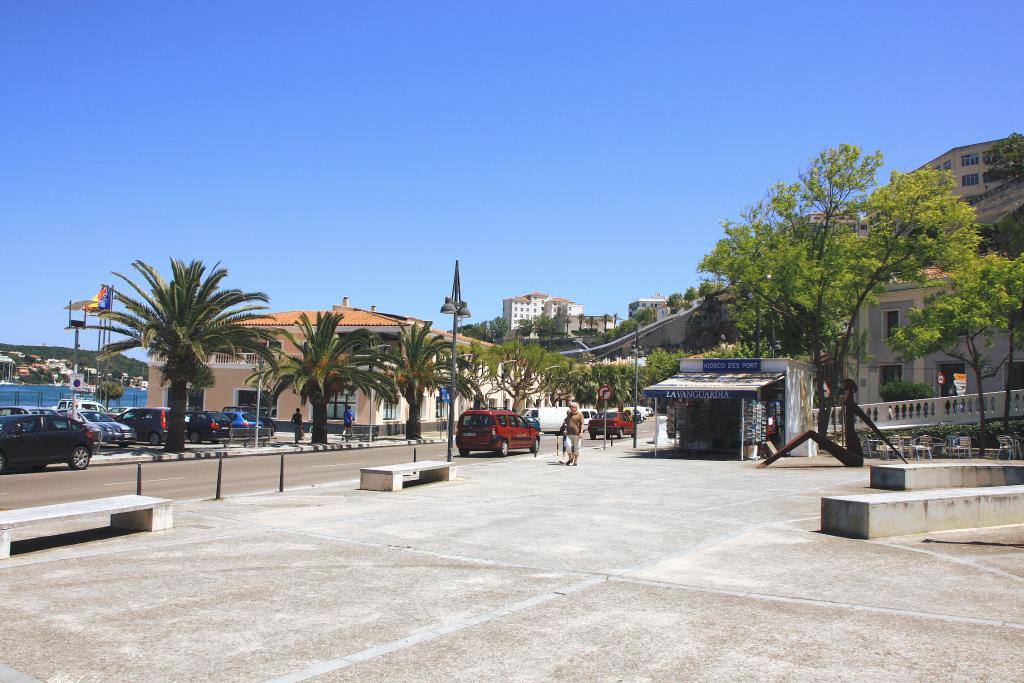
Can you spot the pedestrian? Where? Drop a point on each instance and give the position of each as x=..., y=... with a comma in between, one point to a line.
x=348, y=417
x=573, y=430
x=297, y=425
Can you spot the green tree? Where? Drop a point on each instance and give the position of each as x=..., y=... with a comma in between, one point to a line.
x=659, y=366
x=326, y=364
x=421, y=362
x=109, y=390
x=1008, y=158
x=645, y=316
x=962, y=321
x=524, y=329
x=546, y=327
x=690, y=295
x=183, y=322
x=799, y=259
x=676, y=302
x=519, y=370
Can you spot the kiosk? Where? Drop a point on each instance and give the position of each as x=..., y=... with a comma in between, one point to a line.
x=732, y=405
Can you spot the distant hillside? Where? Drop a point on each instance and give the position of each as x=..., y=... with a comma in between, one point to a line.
x=117, y=364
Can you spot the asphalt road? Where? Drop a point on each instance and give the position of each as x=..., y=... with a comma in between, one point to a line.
x=196, y=479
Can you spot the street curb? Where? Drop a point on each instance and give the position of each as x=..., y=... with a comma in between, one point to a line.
x=267, y=450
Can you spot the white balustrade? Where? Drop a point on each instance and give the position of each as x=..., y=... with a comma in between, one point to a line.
x=942, y=410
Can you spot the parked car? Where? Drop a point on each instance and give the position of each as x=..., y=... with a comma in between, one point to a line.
x=615, y=422
x=587, y=414
x=150, y=424
x=111, y=431
x=206, y=425
x=532, y=421
x=550, y=418
x=38, y=440
x=26, y=410
x=246, y=419
x=119, y=411
x=64, y=405
x=494, y=430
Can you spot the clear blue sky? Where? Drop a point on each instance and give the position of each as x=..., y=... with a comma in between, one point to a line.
x=584, y=149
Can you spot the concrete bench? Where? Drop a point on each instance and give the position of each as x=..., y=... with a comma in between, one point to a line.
x=915, y=512
x=944, y=476
x=142, y=513
x=392, y=477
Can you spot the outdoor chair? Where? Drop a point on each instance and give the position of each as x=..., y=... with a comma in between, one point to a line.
x=961, y=447
x=923, y=445
x=1008, y=446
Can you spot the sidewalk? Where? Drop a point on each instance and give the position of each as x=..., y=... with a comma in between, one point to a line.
x=624, y=568
x=276, y=447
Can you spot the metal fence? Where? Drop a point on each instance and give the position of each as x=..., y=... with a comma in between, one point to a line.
x=45, y=398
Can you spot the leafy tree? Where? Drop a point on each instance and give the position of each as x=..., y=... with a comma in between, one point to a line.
x=520, y=370
x=1008, y=158
x=962, y=321
x=109, y=390
x=183, y=322
x=902, y=390
x=690, y=295
x=660, y=365
x=798, y=257
x=326, y=364
x=493, y=330
x=546, y=327
x=421, y=362
x=676, y=302
x=524, y=329
x=645, y=316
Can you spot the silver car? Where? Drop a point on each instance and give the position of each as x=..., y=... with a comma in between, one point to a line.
x=111, y=431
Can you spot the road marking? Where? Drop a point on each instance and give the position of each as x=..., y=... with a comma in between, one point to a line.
x=144, y=481
x=340, y=464
x=9, y=675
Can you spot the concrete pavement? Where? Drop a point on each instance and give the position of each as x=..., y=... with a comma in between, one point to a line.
x=627, y=567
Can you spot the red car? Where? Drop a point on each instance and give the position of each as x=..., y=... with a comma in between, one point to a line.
x=617, y=423
x=494, y=430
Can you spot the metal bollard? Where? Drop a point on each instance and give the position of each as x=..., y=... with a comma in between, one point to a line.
x=138, y=480
x=414, y=455
x=220, y=473
x=280, y=483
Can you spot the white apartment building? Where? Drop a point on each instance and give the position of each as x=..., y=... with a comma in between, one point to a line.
x=656, y=302
x=516, y=309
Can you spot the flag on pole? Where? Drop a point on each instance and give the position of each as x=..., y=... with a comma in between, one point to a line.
x=103, y=301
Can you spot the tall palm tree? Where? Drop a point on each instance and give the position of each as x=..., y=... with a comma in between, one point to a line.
x=421, y=362
x=183, y=322
x=328, y=363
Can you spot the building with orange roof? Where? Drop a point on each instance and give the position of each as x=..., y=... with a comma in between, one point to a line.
x=232, y=387
x=516, y=309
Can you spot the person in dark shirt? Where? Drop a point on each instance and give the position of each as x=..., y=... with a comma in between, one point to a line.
x=297, y=425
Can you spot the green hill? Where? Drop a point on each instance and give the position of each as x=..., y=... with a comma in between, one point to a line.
x=117, y=364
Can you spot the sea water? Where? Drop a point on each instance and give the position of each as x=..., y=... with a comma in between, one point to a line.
x=46, y=395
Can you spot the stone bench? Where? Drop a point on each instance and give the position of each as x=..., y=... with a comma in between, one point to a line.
x=944, y=476
x=392, y=477
x=915, y=512
x=142, y=513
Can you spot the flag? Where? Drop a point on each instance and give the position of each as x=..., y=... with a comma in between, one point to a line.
x=103, y=301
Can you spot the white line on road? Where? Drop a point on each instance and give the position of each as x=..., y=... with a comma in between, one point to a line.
x=144, y=481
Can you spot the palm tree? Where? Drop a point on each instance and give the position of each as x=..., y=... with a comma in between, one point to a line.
x=184, y=322
x=420, y=363
x=328, y=363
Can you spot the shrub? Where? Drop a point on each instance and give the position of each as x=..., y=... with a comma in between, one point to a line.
x=902, y=390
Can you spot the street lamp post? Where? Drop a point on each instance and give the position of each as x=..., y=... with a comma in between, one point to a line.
x=457, y=308
x=636, y=381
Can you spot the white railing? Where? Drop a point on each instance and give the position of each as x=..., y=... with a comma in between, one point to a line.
x=943, y=410
x=234, y=359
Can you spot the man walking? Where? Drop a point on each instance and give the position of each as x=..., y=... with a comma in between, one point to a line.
x=573, y=427
x=349, y=417
x=297, y=425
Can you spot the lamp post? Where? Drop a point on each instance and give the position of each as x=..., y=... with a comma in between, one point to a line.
x=636, y=381
x=457, y=308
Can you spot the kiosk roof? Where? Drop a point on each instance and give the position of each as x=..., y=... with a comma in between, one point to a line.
x=712, y=385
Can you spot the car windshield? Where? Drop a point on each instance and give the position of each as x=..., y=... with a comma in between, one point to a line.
x=608, y=416
x=248, y=417
x=219, y=417
x=476, y=420
x=93, y=416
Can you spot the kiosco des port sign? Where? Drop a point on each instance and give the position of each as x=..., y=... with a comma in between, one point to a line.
x=732, y=365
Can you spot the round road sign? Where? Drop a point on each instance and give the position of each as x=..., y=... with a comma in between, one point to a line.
x=605, y=393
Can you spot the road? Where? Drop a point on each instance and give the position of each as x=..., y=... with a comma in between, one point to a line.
x=196, y=479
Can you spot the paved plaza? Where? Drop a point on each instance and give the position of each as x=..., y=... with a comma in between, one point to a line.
x=625, y=568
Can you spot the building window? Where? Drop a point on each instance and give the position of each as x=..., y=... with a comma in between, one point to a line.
x=988, y=157
x=969, y=159
x=390, y=410
x=336, y=406
x=947, y=165
x=892, y=323
x=969, y=179
x=889, y=373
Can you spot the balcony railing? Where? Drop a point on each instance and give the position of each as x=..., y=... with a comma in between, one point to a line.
x=249, y=359
x=942, y=410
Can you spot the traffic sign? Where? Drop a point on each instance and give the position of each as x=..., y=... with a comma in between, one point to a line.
x=77, y=381
x=605, y=393
x=444, y=394
x=941, y=379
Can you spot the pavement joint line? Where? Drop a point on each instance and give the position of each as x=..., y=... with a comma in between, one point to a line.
x=9, y=675
x=956, y=560
x=432, y=633
x=689, y=550
x=814, y=602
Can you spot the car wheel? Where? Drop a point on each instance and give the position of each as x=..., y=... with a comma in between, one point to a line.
x=79, y=459
x=536, y=446
x=193, y=437
x=593, y=435
x=154, y=439
x=3, y=463
x=503, y=448
x=124, y=444
x=463, y=452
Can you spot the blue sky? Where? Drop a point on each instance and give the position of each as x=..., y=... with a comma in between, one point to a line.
x=585, y=149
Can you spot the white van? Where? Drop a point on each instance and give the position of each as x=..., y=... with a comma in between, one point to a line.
x=587, y=413
x=550, y=419
x=64, y=405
